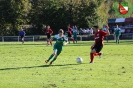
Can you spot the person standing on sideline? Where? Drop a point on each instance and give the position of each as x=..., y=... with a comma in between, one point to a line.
x=49, y=32
x=91, y=31
x=75, y=32
x=70, y=34
x=22, y=34
x=117, y=33
x=60, y=38
x=104, y=29
x=99, y=42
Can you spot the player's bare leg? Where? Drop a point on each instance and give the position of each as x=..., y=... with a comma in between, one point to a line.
x=100, y=54
x=50, y=41
x=23, y=40
x=73, y=40
x=92, y=55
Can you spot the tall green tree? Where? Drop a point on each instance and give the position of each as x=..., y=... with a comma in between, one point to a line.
x=13, y=14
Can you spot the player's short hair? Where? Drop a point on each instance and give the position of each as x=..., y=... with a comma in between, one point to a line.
x=96, y=27
x=61, y=31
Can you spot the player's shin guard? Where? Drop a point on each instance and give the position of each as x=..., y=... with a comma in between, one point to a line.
x=91, y=57
x=50, y=57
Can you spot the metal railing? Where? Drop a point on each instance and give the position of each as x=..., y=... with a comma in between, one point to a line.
x=43, y=37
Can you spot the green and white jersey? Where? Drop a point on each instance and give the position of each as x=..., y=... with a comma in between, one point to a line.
x=60, y=40
x=117, y=31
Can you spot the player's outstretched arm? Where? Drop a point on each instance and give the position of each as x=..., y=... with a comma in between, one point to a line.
x=66, y=40
x=65, y=43
x=108, y=32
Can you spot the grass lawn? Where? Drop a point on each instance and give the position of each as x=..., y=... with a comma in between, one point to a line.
x=22, y=66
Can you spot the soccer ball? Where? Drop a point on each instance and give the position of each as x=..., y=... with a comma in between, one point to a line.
x=79, y=60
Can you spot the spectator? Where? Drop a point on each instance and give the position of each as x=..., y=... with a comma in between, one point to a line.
x=75, y=32
x=117, y=33
x=84, y=31
x=70, y=34
x=104, y=29
x=81, y=31
x=88, y=31
x=22, y=34
x=49, y=32
x=91, y=31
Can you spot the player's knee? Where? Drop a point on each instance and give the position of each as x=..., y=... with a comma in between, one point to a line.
x=54, y=53
x=93, y=51
x=56, y=56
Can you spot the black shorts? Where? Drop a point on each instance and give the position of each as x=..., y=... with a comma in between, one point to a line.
x=48, y=36
x=22, y=36
x=69, y=35
x=98, y=47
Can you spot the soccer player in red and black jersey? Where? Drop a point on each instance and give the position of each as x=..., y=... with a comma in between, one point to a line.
x=49, y=32
x=70, y=34
x=98, y=45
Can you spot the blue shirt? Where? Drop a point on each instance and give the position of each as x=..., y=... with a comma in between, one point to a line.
x=22, y=33
x=104, y=29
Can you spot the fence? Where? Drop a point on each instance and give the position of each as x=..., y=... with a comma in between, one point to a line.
x=42, y=37
x=18, y=38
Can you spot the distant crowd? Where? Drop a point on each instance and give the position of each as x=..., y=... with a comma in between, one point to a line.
x=81, y=31
x=86, y=31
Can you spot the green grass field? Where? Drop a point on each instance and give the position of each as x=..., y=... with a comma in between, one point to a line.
x=22, y=66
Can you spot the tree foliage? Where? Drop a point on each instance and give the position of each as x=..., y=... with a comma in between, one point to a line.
x=56, y=13
x=13, y=14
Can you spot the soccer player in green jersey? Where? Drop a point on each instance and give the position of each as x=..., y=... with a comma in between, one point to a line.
x=75, y=32
x=60, y=38
x=117, y=33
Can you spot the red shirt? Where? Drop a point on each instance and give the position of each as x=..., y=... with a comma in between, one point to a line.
x=70, y=30
x=99, y=36
x=49, y=31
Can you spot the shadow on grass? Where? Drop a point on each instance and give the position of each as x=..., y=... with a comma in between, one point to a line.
x=21, y=44
x=41, y=66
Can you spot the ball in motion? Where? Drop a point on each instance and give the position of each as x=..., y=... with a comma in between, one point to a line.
x=79, y=60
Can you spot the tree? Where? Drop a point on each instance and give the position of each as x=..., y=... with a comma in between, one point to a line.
x=13, y=14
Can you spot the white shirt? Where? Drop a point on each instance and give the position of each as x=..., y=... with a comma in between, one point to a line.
x=104, y=29
x=74, y=30
x=91, y=31
x=84, y=31
x=87, y=31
